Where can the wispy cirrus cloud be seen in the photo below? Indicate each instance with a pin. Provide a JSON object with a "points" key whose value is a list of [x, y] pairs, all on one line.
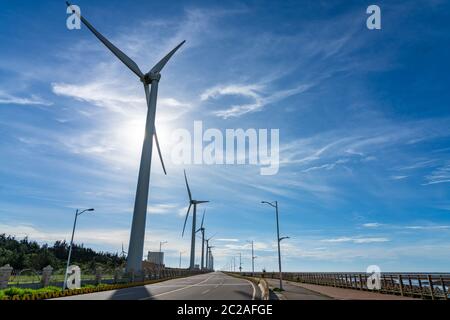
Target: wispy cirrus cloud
{"points": [[440, 175], [227, 240], [372, 225], [114, 97], [259, 93], [162, 208], [428, 227], [357, 240], [6, 98]]}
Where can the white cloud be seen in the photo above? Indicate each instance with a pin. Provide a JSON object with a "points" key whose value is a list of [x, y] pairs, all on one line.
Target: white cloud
{"points": [[372, 225], [227, 240], [355, 240], [259, 93], [6, 98], [427, 227], [162, 208], [398, 177], [440, 175]]}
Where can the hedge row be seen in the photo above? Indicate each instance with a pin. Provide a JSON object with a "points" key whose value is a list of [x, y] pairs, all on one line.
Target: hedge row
{"points": [[87, 290]]}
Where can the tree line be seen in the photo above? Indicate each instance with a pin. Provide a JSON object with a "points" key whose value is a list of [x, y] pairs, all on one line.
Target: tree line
{"points": [[26, 254]]}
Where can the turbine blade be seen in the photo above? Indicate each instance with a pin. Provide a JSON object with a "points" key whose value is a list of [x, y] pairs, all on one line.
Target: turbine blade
{"points": [[215, 234], [160, 65], [198, 202], [187, 186], [185, 220], [203, 219], [159, 152], [116, 51]]}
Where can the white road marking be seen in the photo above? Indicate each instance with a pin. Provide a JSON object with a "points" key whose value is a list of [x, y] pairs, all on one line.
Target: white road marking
{"points": [[168, 292], [206, 291], [254, 289]]}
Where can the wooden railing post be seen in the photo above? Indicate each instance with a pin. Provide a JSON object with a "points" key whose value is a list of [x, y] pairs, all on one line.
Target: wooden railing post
{"points": [[410, 285], [431, 286], [443, 288], [360, 282], [400, 282]]}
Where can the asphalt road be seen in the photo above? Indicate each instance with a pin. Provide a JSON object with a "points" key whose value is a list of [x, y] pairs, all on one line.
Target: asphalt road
{"points": [[210, 286]]}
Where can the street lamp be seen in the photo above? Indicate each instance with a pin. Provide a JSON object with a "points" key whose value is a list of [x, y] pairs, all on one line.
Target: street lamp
{"points": [[240, 262], [181, 252], [253, 257], [160, 244], [160, 256], [77, 213], [275, 205]]}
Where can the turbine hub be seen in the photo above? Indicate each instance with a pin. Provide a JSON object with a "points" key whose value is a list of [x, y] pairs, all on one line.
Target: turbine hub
{"points": [[150, 77]]}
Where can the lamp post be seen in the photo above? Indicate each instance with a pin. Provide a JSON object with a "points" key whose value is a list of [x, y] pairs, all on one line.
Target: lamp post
{"points": [[253, 257], [160, 256], [77, 213], [240, 262], [160, 245], [181, 252], [278, 238]]}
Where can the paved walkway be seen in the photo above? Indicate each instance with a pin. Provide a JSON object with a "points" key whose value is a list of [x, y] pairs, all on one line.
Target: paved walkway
{"points": [[294, 292]]}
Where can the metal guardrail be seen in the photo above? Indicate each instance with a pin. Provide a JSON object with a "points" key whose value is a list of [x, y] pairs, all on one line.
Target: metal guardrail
{"points": [[433, 286]]}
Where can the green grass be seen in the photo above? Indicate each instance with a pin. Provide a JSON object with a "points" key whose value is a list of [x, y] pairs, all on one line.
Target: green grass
{"points": [[27, 279], [14, 291]]}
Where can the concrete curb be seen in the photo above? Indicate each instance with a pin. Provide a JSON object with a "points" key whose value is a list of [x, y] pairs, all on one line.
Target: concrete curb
{"points": [[261, 285]]}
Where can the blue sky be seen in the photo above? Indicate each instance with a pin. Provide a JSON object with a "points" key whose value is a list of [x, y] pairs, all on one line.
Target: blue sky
{"points": [[363, 118]]}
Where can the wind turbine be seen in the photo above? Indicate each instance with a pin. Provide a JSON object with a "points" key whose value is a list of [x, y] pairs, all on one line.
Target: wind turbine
{"points": [[202, 230], [194, 217], [207, 250], [151, 78], [123, 253], [210, 258]]}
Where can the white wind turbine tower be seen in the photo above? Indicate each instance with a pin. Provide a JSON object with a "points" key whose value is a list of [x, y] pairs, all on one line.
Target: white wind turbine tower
{"points": [[136, 246], [194, 217], [202, 230], [208, 264]]}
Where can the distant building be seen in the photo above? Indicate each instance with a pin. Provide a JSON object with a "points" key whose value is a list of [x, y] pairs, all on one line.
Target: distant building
{"points": [[156, 257]]}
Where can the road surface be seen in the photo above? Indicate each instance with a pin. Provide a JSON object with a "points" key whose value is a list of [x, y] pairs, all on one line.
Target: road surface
{"points": [[210, 286]]}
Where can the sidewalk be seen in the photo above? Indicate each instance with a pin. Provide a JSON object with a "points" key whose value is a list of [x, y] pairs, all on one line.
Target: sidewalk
{"points": [[293, 292], [299, 291]]}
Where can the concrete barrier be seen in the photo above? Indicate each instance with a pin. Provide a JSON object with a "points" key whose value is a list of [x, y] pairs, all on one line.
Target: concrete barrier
{"points": [[264, 287]]}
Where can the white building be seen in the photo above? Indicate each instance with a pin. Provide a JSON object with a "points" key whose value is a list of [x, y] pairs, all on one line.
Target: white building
{"points": [[156, 257]]}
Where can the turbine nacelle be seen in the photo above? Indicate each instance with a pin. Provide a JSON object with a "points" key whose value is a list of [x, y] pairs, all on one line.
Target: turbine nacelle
{"points": [[198, 202], [150, 77]]}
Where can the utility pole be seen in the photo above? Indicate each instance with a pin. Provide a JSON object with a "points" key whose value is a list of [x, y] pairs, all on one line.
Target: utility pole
{"points": [[278, 240], [160, 257], [253, 257], [240, 262]]}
